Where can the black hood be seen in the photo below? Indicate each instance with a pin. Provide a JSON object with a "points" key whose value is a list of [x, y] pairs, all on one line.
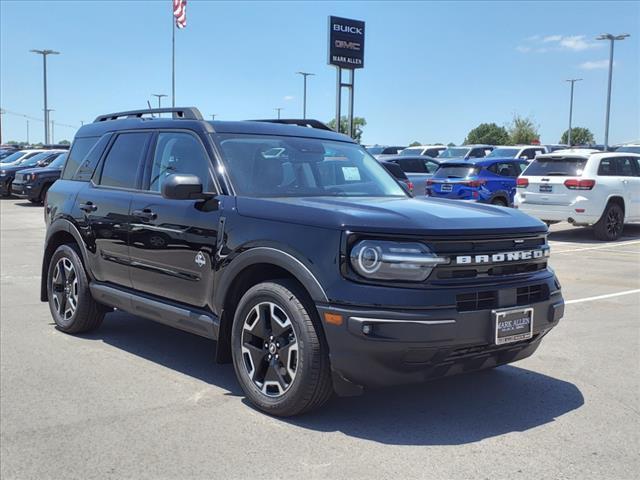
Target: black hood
{"points": [[411, 216]]}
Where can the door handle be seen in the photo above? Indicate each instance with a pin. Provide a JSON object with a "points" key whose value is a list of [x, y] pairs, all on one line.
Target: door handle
{"points": [[145, 214], [88, 207]]}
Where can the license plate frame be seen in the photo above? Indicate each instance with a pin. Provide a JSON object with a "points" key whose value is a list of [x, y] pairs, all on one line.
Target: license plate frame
{"points": [[505, 333]]}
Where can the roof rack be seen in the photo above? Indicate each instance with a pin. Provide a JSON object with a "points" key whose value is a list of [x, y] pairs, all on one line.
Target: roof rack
{"points": [[301, 122], [189, 113]]}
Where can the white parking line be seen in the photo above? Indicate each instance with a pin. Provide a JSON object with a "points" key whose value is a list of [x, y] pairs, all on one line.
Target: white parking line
{"points": [[601, 297], [598, 247]]}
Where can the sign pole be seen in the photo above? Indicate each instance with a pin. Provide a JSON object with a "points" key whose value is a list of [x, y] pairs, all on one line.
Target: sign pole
{"points": [[173, 61], [352, 76], [338, 97]]}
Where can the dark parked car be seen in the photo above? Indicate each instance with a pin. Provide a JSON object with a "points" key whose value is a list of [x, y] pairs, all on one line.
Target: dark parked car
{"points": [[419, 169], [313, 269], [33, 183], [9, 171], [395, 170]]}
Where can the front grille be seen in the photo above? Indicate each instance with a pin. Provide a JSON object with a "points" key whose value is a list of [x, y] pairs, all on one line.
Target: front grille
{"points": [[455, 247], [19, 177], [468, 302], [488, 300], [532, 294]]}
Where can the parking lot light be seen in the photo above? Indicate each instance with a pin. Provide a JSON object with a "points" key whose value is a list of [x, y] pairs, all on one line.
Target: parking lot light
{"points": [[44, 54], [612, 39]]}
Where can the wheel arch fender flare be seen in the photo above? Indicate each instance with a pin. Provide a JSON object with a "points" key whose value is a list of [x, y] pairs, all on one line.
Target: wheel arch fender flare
{"points": [[274, 256], [58, 226]]}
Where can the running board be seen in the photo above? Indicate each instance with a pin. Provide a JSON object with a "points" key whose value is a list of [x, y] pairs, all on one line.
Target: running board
{"points": [[193, 321]]}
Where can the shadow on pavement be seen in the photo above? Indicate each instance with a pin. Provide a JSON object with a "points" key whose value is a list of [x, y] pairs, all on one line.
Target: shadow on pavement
{"points": [[450, 411], [585, 235], [29, 204]]}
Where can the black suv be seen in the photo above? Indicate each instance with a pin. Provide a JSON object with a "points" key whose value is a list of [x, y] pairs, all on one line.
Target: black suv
{"points": [[295, 250]]}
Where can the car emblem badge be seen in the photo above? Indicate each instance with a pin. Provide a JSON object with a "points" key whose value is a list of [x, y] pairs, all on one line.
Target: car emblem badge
{"points": [[200, 259]]}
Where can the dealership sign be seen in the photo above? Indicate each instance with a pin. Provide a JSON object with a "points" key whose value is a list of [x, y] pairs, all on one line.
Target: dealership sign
{"points": [[346, 43]]}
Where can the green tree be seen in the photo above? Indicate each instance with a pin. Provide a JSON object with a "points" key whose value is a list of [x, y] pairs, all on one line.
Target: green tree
{"points": [[579, 136], [523, 130], [451, 144], [64, 142], [415, 144], [358, 124], [488, 133]]}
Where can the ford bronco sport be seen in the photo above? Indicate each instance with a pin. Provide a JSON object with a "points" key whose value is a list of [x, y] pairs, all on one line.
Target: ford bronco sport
{"points": [[295, 250]]}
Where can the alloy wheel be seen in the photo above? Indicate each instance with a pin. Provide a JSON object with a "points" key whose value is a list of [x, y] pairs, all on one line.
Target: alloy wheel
{"points": [[269, 349], [614, 223], [65, 288]]}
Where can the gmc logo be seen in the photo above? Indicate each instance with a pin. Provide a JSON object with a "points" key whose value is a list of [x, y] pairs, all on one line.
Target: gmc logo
{"points": [[348, 45], [347, 29], [502, 257]]}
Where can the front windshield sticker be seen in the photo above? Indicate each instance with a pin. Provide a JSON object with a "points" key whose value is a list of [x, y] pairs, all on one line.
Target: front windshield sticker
{"points": [[351, 174]]}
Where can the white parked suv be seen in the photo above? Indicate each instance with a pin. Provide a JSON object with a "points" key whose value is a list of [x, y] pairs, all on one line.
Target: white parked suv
{"points": [[583, 187], [427, 150]]}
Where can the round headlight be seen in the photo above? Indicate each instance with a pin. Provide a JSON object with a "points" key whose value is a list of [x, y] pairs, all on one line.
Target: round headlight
{"points": [[400, 261]]}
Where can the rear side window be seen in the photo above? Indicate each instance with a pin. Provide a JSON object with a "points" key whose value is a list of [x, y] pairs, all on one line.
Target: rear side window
{"points": [[561, 166], [88, 166], [505, 169], [123, 161], [79, 150], [411, 165], [455, 171]]}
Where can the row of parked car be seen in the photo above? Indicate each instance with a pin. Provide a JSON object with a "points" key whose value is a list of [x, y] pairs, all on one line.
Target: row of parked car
{"points": [[578, 185], [29, 173]]}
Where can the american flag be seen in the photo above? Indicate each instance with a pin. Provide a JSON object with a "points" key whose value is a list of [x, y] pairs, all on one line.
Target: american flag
{"points": [[180, 12]]}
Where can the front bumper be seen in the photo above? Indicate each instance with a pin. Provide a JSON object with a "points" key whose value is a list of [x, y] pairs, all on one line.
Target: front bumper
{"points": [[380, 347]]}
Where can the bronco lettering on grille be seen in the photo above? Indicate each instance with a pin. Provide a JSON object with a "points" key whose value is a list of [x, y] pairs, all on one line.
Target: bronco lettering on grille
{"points": [[502, 257]]}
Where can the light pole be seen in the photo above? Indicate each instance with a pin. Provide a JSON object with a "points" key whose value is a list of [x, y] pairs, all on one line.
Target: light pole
{"points": [[304, 95], [278, 110], [213, 116], [572, 80], [27, 132], [612, 39], [48, 116], [159, 96], [44, 54]]}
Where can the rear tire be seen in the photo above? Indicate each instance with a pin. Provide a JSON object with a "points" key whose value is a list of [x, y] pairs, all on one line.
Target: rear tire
{"points": [[611, 224], [72, 307], [499, 202], [279, 353]]}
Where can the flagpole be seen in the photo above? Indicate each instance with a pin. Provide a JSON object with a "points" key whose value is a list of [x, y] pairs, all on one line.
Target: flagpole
{"points": [[173, 60]]}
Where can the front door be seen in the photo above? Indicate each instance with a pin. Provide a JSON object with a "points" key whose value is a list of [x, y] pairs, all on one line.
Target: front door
{"points": [[173, 242]]}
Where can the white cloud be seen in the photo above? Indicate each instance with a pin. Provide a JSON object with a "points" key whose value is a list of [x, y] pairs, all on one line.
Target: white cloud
{"points": [[595, 64], [548, 43], [552, 38], [288, 98]]}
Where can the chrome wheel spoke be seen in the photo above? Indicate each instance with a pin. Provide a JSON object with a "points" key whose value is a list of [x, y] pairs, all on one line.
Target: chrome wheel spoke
{"points": [[269, 349]]}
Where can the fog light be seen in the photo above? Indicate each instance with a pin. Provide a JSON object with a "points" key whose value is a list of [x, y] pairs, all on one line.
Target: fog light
{"points": [[366, 329]]}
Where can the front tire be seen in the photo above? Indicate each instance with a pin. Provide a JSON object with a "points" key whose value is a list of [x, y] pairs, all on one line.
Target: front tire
{"points": [[611, 224], [279, 354], [72, 307]]}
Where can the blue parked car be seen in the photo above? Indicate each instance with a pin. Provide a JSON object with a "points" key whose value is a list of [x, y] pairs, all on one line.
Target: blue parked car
{"points": [[486, 180]]}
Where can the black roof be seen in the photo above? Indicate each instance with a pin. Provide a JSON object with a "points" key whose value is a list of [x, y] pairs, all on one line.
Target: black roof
{"points": [[140, 119]]}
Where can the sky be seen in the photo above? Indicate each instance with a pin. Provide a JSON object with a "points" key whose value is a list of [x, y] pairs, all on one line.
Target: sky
{"points": [[433, 70]]}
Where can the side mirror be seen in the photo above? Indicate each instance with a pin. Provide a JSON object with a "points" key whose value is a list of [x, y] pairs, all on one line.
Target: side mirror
{"points": [[180, 186]]}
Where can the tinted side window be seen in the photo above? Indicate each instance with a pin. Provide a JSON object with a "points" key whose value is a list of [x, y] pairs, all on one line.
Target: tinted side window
{"points": [[79, 150], [607, 167], [431, 166], [121, 165], [624, 167], [412, 165], [179, 153], [88, 166], [506, 169]]}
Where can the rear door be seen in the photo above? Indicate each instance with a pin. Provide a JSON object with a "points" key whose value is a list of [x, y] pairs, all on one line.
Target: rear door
{"points": [[546, 177], [502, 178], [173, 242], [629, 174], [102, 206]]}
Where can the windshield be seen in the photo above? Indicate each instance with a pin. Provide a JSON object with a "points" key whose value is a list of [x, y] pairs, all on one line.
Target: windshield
{"points": [[58, 162], [32, 161], [455, 171], [375, 150], [411, 151], [306, 167], [556, 167], [13, 157], [6, 153], [454, 152], [629, 149], [504, 152]]}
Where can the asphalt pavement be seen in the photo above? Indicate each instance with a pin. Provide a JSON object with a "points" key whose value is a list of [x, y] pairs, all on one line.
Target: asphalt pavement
{"points": [[138, 400]]}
